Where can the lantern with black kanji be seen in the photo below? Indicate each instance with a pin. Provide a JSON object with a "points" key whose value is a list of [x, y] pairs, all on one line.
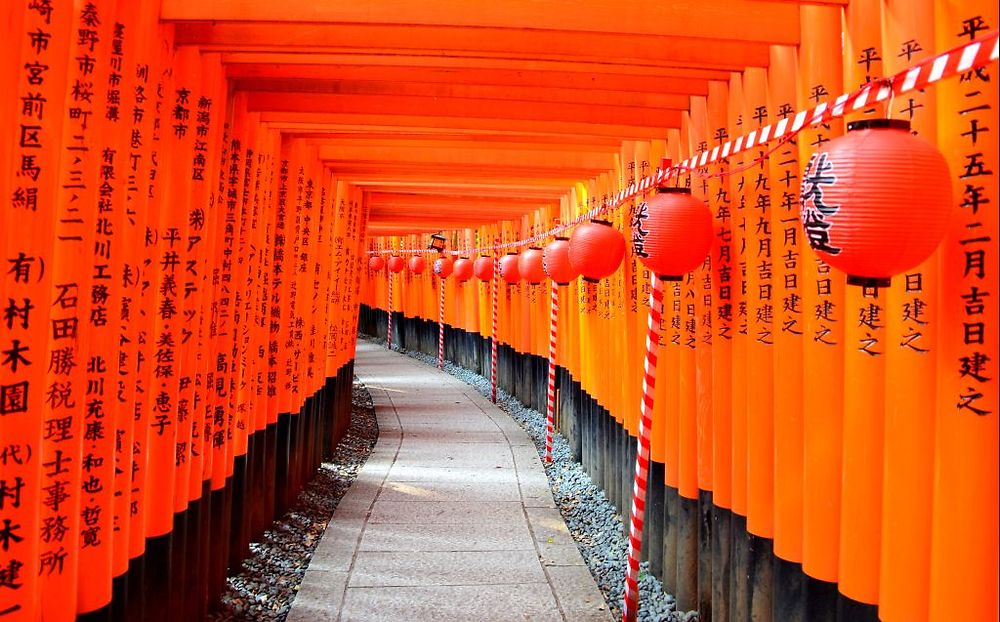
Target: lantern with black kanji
{"points": [[396, 264], [555, 260], [462, 269], [483, 268], [876, 201], [529, 265], [376, 263], [596, 249], [509, 271], [672, 233], [443, 266], [417, 264], [437, 243]]}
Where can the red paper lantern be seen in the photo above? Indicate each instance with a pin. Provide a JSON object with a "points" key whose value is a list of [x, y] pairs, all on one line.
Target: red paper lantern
{"points": [[508, 268], [672, 233], [596, 249], [376, 263], [876, 201], [396, 264], [556, 262], [463, 269], [417, 264], [484, 268], [443, 266], [529, 265]]}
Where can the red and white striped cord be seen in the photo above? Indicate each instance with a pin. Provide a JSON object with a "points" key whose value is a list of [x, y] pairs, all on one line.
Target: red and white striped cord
{"points": [[551, 397], [631, 605], [388, 330], [441, 328], [493, 340], [954, 62]]}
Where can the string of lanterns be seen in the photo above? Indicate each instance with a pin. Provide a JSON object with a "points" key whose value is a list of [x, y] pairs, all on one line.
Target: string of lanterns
{"points": [[858, 210]]}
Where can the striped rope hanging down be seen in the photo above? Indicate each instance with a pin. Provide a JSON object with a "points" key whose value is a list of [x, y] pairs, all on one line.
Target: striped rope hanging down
{"points": [[551, 397], [493, 340], [441, 328], [631, 605], [388, 330]]}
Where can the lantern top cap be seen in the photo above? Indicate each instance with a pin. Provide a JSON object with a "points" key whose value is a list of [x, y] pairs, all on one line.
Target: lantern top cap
{"points": [[561, 238], [671, 190], [879, 124], [606, 223]]}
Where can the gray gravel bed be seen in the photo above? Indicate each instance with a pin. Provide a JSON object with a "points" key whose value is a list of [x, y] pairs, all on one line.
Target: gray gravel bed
{"points": [[266, 585], [595, 523]]}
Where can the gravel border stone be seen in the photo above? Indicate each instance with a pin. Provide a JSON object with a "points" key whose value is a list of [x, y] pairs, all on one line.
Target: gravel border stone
{"points": [[267, 583], [594, 522]]}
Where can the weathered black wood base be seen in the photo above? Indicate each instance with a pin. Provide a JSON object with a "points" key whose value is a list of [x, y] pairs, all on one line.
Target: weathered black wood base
{"points": [[181, 574]]}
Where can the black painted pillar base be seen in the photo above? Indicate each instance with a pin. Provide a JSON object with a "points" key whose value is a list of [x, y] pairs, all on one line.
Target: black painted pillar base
{"points": [[669, 576], [687, 554], [705, 524], [721, 563], [119, 597], [739, 579], [761, 565], [652, 540], [156, 585], [135, 600]]}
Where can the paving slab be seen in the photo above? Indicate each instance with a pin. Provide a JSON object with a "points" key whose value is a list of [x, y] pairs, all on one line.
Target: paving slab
{"points": [[451, 518], [450, 491], [453, 603], [476, 512], [404, 537]]}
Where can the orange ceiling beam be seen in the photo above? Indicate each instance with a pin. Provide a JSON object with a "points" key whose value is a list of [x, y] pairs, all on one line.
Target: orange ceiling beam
{"points": [[443, 179], [469, 156], [466, 173], [432, 202], [484, 63], [377, 229], [537, 194], [403, 137], [495, 110], [674, 101], [305, 122], [716, 19], [719, 19], [696, 83], [452, 41]]}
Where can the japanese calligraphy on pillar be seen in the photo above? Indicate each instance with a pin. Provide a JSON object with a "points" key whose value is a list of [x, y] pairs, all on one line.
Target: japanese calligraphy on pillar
{"points": [[976, 181], [965, 471], [104, 297], [279, 288], [73, 506], [788, 322], [30, 184]]}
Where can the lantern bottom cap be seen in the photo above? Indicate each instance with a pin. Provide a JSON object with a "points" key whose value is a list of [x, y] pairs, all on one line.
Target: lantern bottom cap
{"points": [[868, 281]]}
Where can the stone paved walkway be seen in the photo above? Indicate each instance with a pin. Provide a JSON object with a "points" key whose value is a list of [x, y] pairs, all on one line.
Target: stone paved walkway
{"points": [[450, 519]]}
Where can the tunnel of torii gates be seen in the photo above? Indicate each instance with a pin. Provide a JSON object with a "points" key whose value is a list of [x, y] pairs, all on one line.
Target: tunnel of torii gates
{"points": [[198, 198]]}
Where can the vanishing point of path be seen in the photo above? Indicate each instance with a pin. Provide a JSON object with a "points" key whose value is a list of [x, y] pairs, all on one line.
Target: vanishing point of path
{"points": [[451, 518]]}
